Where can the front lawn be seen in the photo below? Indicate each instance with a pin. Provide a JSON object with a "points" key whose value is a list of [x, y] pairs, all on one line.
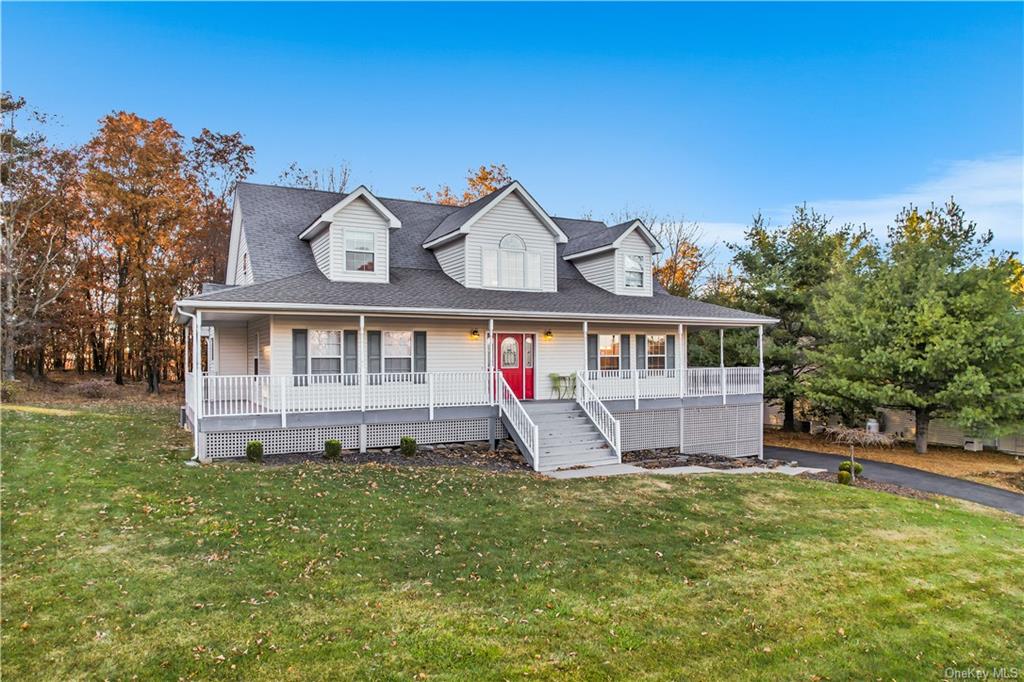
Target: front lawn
{"points": [[120, 561]]}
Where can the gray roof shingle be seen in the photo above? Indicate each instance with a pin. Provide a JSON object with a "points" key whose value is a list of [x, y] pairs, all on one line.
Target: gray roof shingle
{"points": [[284, 270]]}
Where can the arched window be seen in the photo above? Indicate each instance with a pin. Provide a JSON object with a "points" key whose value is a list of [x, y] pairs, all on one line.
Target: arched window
{"points": [[512, 242]]}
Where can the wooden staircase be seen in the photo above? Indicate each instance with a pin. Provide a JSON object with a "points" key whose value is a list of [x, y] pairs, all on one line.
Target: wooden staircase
{"points": [[567, 436]]}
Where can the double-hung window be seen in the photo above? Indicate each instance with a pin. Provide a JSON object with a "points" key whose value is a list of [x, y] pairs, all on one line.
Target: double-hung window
{"points": [[397, 352], [634, 271], [511, 265], [656, 351], [608, 351], [325, 352], [359, 254]]}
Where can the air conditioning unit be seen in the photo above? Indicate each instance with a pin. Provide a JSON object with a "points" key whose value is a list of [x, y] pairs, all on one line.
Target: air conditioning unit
{"points": [[973, 444]]}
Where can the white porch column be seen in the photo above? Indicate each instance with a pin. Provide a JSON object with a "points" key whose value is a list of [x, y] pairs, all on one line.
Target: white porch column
{"points": [[586, 332], [489, 364], [197, 365], [681, 359], [760, 381], [361, 357], [721, 358]]}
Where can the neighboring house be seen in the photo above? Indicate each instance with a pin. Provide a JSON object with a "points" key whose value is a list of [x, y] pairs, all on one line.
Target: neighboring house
{"points": [[365, 319]]}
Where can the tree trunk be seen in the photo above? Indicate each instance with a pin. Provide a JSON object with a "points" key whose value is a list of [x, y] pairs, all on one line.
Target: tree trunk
{"points": [[789, 415], [8, 357], [921, 420]]}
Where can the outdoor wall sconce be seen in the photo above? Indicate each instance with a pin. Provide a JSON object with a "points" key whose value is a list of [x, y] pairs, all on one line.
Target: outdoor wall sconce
{"points": [[548, 335], [475, 334]]}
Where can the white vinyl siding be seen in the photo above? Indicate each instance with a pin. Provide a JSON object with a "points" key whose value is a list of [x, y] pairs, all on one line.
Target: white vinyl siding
{"points": [[510, 216], [452, 258], [230, 341], [321, 245], [243, 268], [599, 270], [633, 245], [259, 345]]}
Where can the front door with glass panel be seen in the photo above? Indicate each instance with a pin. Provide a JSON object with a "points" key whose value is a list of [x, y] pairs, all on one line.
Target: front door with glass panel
{"points": [[515, 361]]}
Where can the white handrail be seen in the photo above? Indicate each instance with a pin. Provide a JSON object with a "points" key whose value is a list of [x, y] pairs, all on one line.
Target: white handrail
{"points": [[604, 421], [525, 428]]}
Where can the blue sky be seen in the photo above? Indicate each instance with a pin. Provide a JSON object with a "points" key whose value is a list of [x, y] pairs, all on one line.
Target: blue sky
{"points": [[707, 112]]}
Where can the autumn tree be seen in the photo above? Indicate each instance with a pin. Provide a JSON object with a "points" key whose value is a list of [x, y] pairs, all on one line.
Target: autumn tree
{"points": [[479, 183], [41, 199], [780, 272], [928, 322]]}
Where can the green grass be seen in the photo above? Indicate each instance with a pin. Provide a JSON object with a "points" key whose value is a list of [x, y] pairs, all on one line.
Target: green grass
{"points": [[120, 561]]}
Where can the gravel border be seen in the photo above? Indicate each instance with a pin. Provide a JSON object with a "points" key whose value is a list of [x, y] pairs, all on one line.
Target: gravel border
{"points": [[892, 488], [475, 454], [664, 458]]}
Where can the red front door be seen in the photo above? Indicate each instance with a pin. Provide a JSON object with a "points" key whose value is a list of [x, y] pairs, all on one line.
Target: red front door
{"points": [[515, 360]]}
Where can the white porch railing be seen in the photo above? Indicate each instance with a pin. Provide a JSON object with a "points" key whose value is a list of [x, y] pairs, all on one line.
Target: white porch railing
{"points": [[525, 428], [644, 384], [604, 421], [284, 394]]}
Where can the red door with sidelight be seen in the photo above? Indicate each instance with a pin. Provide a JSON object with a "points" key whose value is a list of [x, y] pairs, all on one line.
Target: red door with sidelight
{"points": [[515, 360]]}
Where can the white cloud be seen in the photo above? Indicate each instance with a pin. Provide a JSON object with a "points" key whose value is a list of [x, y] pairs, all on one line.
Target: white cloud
{"points": [[991, 192]]}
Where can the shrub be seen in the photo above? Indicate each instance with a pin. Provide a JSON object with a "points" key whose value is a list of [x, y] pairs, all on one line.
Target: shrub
{"points": [[847, 465], [844, 477], [93, 388], [408, 446], [9, 391], [332, 449], [254, 451]]}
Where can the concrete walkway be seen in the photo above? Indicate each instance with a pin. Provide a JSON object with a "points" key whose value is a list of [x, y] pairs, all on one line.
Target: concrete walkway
{"points": [[910, 478], [625, 469]]}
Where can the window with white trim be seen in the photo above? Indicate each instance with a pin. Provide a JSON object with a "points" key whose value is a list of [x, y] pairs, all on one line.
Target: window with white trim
{"points": [[511, 265], [359, 252], [608, 351], [634, 271], [656, 350], [397, 351], [325, 356]]}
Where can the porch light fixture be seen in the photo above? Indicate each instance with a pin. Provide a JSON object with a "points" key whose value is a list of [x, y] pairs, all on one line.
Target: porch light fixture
{"points": [[475, 334], [548, 335]]}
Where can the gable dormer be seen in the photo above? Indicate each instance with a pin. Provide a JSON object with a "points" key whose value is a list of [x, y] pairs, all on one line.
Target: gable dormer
{"points": [[504, 240], [619, 259], [351, 240]]}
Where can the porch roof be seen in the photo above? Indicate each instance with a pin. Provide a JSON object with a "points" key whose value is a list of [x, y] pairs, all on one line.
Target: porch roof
{"points": [[414, 290]]}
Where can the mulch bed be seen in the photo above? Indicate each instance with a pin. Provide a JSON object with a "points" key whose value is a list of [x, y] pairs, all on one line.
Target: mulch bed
{"points": [[475, 454], [830, 477], [664, 458]]}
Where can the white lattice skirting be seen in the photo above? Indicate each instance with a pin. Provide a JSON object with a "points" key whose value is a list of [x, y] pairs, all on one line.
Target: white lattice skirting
{"points": [[311, 439], [729, 430]]}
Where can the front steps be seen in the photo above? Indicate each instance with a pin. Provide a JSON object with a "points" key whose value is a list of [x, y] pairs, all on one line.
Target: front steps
{"points": [[567, 436]]}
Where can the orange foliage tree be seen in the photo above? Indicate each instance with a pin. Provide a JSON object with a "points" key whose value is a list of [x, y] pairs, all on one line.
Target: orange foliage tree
{"points": [[479, 183]]}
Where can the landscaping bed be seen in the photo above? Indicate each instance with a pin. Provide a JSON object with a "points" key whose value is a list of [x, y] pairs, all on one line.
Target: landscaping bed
{"points": [[476, 454], [665, 458], [861, 482]]}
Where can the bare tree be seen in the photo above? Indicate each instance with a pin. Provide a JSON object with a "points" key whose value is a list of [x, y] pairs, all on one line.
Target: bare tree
{"points": [[41, 193], [327, 179]]}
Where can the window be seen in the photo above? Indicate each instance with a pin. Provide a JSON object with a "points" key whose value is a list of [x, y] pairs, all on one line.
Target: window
{"points": [[325, 352], [656, 346], [511, 266], [397, 352], [635, 271], [608, 351], [359, 250], [509, 353]]}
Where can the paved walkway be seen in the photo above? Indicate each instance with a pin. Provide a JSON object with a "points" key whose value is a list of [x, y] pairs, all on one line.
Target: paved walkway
{"points": [[625, 469], [910, 478]]}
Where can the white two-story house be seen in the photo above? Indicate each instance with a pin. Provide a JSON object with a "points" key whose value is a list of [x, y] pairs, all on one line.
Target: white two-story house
{"points": [[365, 319]]}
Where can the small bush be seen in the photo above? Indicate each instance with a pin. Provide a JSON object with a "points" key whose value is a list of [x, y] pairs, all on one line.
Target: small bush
{"points": [[408, 446], [847, 465], [9, 391], [332, 449], [93, 388], [254, 451], [844, 477]]}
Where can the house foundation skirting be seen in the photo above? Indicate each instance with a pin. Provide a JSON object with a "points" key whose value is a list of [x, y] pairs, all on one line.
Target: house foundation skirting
{"points": [[226, 444], [728, 430]]}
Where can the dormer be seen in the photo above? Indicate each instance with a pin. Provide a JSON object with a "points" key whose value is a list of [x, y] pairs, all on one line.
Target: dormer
{"points": [[619, 259], [351, 240], [504, 240]]}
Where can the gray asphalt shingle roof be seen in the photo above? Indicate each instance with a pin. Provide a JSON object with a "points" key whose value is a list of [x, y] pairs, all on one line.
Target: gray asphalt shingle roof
{"points": [[596, 239], [284, 270]]}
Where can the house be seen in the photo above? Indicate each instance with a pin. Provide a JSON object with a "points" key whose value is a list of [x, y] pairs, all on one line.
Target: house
{"points": [[365, 319]]}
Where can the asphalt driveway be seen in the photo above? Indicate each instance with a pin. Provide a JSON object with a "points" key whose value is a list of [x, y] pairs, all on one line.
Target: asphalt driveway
{"points": [[910, 478]]}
